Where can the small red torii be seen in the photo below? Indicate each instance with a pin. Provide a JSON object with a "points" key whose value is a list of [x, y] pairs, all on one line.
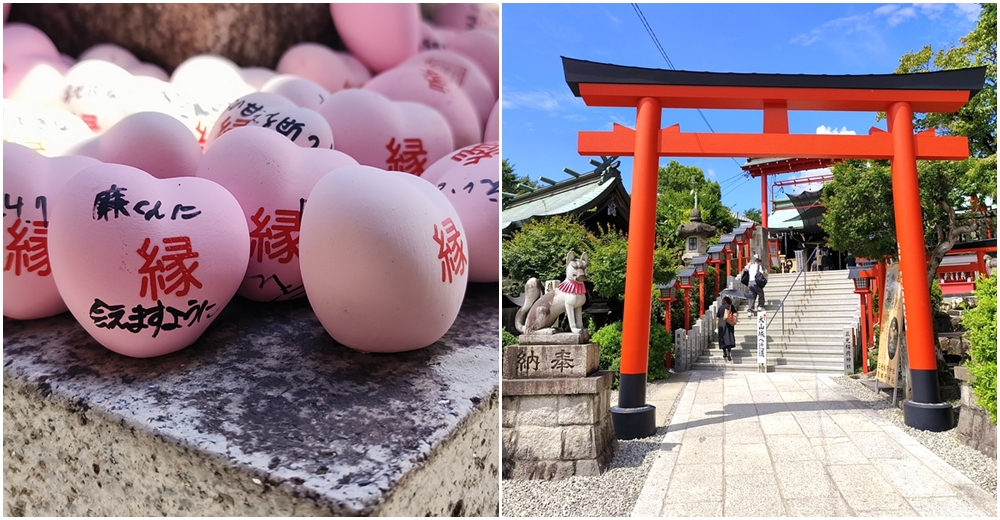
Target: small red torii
{"points": [[651, 90]]}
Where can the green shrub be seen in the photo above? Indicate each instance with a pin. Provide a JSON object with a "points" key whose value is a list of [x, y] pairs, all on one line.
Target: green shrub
{"points": [[609, 338], [981, 326], [507, 338]]}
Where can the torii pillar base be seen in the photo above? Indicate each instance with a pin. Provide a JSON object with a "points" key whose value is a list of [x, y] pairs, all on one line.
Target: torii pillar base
{"points": [[932, 417]]}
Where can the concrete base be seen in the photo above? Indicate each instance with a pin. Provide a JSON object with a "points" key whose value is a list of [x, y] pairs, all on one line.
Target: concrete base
{"points": [[557, 428], [975, 426], [264, 416]]}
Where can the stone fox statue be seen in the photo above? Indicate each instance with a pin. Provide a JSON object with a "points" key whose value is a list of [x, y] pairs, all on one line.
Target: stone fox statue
{"points": [[539, 314]]}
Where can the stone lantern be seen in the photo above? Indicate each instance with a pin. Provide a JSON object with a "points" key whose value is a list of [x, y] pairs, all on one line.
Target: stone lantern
{"points": [[694, 234]]}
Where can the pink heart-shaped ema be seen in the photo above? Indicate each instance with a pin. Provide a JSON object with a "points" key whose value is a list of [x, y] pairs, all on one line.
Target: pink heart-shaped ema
{"points": [[357, 73], [470, 179], [21, 39], [145, 265], [49, 131], [465, 17], [427, 85], [431, 37], [380, 35], [99, 92], [271, 178], [123, 58], [153, 142], [466, 74], [302, 126], [384, 259], [317, 63], [386, 134], [30, 181], [492, 130], [301, 91], [483, 47], [257, 77]]}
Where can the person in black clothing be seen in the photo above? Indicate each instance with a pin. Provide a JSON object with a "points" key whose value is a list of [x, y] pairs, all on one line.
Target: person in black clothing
{"points": [[727, 335]]}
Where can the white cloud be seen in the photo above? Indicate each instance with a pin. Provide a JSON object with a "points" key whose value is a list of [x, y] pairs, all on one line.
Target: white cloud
{"points": [[711, 173], [932, 11], [823, 129], [901, 15], [970, 11], [538, 99], [886, 10]]}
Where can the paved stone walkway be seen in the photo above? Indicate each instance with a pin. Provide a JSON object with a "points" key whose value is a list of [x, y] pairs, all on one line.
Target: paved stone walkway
{"points": [[748, 444]]}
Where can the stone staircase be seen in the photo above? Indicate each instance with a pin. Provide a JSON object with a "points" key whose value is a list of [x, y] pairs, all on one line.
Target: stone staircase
{"points": [[811, 336]]}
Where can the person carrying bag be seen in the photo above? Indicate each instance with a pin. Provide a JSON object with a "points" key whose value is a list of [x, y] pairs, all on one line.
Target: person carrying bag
{"points": [[757, 278]]}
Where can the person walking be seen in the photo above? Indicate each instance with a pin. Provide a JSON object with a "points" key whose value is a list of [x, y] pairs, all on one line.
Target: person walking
{"points": [[756, 289], [727, 333]]}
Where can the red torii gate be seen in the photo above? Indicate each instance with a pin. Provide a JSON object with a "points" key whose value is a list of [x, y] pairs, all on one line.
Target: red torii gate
{"points": [[651, 90]]}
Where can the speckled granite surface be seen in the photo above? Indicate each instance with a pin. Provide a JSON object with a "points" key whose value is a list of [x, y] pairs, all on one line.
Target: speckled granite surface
{"points": [[264, 415]]}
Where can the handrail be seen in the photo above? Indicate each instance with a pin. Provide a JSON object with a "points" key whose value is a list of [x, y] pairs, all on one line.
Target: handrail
{"points": [[781, 305]]}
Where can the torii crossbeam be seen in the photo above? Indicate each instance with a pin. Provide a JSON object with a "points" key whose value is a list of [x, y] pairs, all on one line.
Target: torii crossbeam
{"points": [[651, 90]]}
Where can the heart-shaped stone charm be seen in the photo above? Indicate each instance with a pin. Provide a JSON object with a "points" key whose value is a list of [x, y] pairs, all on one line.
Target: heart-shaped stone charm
{"points": [[123, 58], [155, 143], [298, 90], [380, 35], [49, 131], [483, 47], [145, 265], [302, 126], [271, 178], [422, 84], [384, 259], [391, 135], [317, 63], [492, 130], [464, 17], [470, 179], [100, 92], [33, 69], [30, 182], [466, 74]]}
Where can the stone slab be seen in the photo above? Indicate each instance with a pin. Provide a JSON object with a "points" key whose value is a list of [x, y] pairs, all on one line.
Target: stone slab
{"points": [[264, 415], [558, 338], [592, 384], [550, 361]]}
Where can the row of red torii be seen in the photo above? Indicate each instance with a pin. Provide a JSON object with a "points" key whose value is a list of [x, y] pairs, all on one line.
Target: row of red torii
{"points": [[652, 90]]}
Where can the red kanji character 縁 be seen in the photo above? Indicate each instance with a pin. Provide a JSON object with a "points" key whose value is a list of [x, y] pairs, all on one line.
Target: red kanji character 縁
{"points": [[476, 153], [451, 250], [260, 236], [170, 272], [408, 156], [283, 245], [30, 252], [434, 80]]}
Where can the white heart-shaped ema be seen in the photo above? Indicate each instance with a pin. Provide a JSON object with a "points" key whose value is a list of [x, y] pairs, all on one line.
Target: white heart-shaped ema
{"points": [[302, 126], [48, 131], [146, 265], [271, 178], [30, 183]]}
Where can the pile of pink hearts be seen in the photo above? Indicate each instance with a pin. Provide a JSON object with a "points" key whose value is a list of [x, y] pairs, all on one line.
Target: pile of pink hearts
{"points": [[367, 181]]}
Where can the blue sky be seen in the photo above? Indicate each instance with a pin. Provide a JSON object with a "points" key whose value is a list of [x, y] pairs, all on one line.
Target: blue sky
{"points": [[541, 118]]}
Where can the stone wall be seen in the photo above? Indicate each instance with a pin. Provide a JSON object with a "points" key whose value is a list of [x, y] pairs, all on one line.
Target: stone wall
{"points": [[975, 427]]}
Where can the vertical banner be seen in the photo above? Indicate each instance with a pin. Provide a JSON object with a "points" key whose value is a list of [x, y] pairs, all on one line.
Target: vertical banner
{"points": [[762, 340], [891, 332]]}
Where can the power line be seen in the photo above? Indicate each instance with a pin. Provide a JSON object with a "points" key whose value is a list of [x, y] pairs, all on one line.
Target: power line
{"points": [[656, 42]]}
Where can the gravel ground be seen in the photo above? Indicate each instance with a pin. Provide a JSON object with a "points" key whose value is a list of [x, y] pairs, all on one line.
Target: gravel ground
{"points": [[615, 492]]}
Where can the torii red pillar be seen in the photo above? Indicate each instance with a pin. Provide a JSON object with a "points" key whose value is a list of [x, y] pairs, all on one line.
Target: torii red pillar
{"points": [[899, 95]]}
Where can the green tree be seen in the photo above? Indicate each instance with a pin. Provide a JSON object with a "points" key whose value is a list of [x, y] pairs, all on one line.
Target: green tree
{"points": [[676, 185], [753, 214], [978, 119], [539, 249], [607, 265], [513, 184], [859, 213], [981, 323]]}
